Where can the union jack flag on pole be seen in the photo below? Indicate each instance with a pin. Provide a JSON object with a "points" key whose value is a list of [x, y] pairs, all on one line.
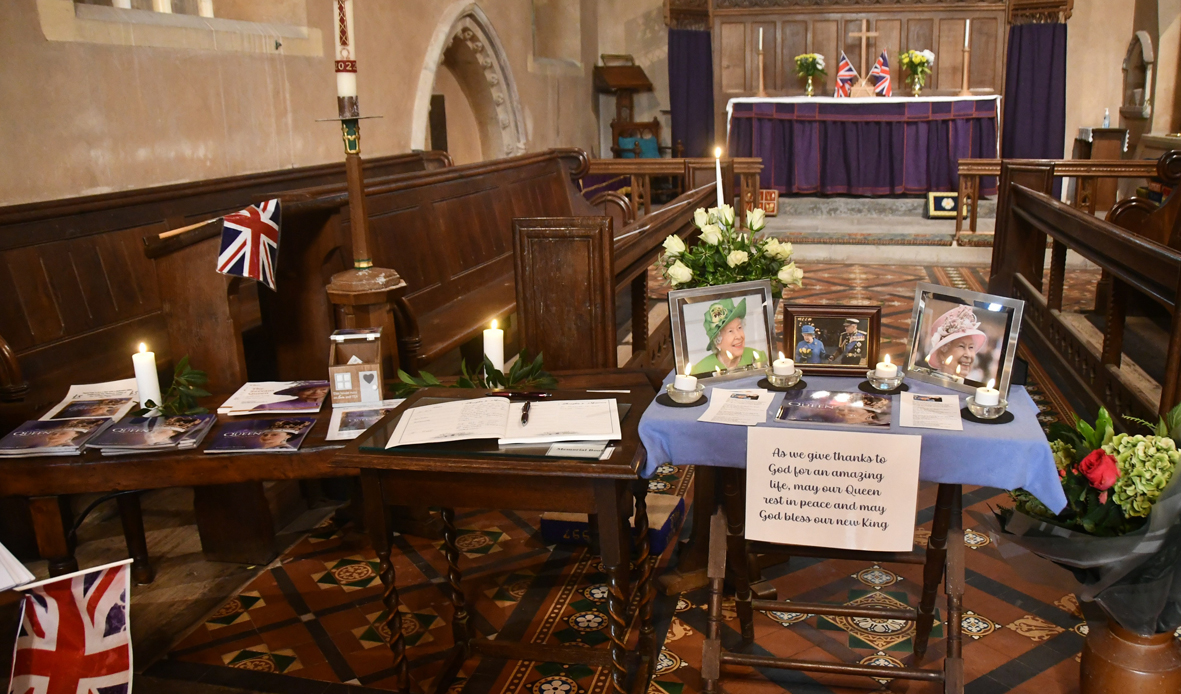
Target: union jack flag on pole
{"points": [[250, 243], [846, 76], [75, 636], [881, 75]]}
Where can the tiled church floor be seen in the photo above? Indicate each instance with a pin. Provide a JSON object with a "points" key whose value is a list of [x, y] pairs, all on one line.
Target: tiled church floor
{"points": [[306, 623]]}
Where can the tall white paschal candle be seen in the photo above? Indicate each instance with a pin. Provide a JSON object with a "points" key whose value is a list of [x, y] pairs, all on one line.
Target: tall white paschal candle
{"points": [[967, 31], [760, 38], [346, 48], [146, 377], [494, 346], [718, 166]]}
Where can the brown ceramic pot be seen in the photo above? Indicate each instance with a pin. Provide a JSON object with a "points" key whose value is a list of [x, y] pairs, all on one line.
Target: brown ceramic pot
{"points": [[1117, 661]]}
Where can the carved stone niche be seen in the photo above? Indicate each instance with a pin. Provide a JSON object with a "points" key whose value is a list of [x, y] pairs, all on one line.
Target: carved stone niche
{"points": [[1138, 64]]}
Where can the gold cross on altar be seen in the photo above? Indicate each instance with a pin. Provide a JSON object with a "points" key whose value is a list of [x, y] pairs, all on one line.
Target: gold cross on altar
{"points": [[864, 34]]}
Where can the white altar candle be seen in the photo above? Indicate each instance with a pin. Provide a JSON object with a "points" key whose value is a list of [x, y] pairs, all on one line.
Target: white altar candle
{"points": [[885, 369], [987, 395], [685, 381], [967, 31], [346, 48], [494, 346], [718, 166], [146, 377], [760, 38], [783, 366]]}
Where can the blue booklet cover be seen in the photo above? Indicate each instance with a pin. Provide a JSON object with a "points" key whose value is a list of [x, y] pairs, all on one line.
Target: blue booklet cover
{"points": [[152, 432], [61, 436], [270, 435]]}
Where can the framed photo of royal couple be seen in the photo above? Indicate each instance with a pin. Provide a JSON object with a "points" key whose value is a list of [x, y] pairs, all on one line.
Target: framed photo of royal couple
{"points": [[962, 339], [723, 332], [832, 340]]}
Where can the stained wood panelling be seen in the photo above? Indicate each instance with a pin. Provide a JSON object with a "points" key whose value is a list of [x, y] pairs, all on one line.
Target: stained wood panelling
{"points": [[986, 43], [825, 37], [771, 73], [733, 53], [951, 49], [889, 38], [795, 42]]}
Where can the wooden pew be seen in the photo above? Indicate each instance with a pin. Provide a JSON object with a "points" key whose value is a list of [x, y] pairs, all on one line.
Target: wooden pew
{"points": [[449, 235], [1027, 215]]}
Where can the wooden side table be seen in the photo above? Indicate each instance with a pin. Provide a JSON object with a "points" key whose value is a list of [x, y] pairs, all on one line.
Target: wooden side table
{"points": [[465, 476]]}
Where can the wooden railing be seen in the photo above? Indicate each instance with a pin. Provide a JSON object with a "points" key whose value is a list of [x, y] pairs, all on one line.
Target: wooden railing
{"points": [[1086, 171], [1026, 216], [691, 172]]}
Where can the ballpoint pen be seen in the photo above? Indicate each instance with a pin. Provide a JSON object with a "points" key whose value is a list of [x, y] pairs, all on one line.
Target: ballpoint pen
{"points": [[525, 412]]}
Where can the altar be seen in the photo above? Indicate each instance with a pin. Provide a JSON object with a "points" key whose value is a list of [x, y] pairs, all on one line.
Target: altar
{"points": [[863, 146]]}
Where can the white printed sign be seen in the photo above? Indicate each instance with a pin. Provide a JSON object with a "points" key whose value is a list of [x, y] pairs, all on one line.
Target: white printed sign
{"points": [[849, 490]]}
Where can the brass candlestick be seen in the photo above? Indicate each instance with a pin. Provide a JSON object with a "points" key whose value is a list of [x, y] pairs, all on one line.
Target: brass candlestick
{"points": [[762, 91], [964, 90]]}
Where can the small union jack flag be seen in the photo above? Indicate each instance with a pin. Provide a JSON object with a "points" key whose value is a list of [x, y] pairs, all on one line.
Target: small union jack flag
{"points": [[74, 634], [250, 243], [846, 76], [881, 74]]}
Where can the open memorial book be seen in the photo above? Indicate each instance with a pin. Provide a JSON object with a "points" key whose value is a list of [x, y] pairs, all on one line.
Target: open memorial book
{"points": [[12, 572], [500, 419]]}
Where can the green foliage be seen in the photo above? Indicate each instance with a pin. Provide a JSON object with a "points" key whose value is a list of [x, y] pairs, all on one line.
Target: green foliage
{"points": [[725, 254], [181, 397], [524, 374], [810, 65], [918, 64]]}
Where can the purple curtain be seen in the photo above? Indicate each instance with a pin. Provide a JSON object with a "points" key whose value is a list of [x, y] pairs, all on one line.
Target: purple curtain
{"points": [[691, 91], [1035, 93]]}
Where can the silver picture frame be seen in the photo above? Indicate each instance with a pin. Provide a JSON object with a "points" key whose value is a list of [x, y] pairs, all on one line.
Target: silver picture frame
{"points": [[680, 299], [932, 302]]}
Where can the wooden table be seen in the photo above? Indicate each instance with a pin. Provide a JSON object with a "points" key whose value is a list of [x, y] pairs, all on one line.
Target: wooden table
{"points": [[606, 488]]}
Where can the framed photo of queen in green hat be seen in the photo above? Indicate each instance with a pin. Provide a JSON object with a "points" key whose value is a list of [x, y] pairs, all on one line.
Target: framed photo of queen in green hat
{"points": [[724, 331]]}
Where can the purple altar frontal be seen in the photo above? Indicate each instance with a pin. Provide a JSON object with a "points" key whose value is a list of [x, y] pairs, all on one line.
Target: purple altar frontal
{"points": [[1015, 455], [864, 146]]}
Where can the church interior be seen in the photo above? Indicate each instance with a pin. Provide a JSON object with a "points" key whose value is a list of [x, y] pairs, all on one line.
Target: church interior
{"points": [[590, 346]]}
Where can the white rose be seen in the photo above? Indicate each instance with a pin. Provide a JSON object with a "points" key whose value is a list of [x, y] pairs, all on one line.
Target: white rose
{"points": [[673, 245], [700, 217], [790, 274], [929, 56], [737, 258], [726, 215], [756, 220], [819, 61], [679, 273], [711, 234], [779, 251]]}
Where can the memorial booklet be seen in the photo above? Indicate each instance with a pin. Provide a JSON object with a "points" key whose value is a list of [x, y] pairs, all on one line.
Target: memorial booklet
{"points": [[110, 400], [498, 418], [350, 421], [738, 407], [148, 434], [288, 397], [829, 407], [52, 437], [269, 435], [930, 411]]}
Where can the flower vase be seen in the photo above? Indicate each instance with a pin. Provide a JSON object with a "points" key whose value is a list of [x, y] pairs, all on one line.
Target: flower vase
{"points": [[1117, 660], [809, 85], [916, 86]]}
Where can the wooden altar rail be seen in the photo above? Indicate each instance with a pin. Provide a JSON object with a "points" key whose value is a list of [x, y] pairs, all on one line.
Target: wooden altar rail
{"points": [[1026, 216], [1087, 171], [693, 173]]}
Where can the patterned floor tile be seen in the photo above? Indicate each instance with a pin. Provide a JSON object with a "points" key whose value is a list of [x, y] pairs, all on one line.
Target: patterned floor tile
{"points": [[1035, 628], [260, 658], [236, 611], [353, 573]]}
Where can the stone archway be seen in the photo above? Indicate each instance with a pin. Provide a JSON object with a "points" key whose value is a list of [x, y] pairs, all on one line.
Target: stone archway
{"points": [[465, 42]]}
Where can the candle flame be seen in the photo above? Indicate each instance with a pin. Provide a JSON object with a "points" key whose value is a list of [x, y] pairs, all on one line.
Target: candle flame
{"points": [[781, 356], [688, 369], [991, 383], [886, 359], [494, 324], [717, 152], [143, 347]]}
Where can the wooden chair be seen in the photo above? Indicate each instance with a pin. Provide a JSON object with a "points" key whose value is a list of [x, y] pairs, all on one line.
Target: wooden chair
{"points": [[728, 544]]}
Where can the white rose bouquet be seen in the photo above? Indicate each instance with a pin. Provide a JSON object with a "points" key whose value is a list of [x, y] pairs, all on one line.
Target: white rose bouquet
{"points": [[726, 254]]}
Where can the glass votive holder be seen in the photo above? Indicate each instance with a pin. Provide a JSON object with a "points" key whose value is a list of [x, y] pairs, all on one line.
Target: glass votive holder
{"points": [[685, 397], [884, 384], [783, 381], [986, 411]]}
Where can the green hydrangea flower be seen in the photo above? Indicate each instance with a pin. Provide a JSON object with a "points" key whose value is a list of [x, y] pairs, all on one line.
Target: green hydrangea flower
{"points": [[1063, 453], [1146, 464]]}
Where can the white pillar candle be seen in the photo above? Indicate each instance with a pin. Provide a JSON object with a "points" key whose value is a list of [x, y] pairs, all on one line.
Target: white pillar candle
{"points": [[205, 8], [494, 346], [147, 380], [987, 395], [760, 38], [718, 166], [783, 366], [346, 48], [685, 381], [967, 31], [885, 369]]}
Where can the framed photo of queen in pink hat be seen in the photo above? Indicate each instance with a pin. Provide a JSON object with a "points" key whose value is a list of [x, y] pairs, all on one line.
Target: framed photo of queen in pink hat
{"points": [[962, 339]]}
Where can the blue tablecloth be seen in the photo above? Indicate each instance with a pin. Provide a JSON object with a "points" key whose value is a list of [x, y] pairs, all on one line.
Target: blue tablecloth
{"points": [[1006, 456]]}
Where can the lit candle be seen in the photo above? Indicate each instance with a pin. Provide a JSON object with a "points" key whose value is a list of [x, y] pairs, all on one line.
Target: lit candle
{"points": [[718, 166], [147, 380], [783, 366], [494, 346], [346, 49], [760, 38], [987, 395], [685, 381], [967, 31], [885, 369]]}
